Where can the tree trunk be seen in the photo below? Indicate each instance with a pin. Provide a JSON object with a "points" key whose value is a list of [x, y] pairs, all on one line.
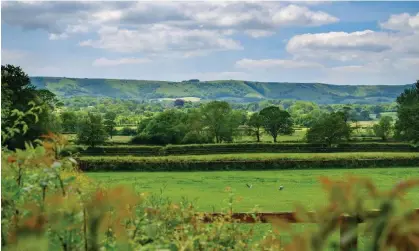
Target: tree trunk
{"points": [[258, 136], [275, 138]]}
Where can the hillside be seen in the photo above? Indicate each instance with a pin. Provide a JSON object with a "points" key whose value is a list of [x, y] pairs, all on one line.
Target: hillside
{"points": [[231, 90]]}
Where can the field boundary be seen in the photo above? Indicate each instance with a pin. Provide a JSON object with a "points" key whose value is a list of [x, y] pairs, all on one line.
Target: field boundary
{"points": [[169, 150], [95, 165]]}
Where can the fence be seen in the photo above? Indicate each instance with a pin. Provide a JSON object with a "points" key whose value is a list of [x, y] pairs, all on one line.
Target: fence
{"points": [[348, 224]]}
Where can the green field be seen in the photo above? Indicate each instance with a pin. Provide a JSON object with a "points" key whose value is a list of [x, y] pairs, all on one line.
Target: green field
{"points": [[207, 189]]}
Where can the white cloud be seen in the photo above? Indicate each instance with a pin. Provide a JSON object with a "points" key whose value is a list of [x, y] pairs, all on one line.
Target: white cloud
{"points": [[358, 46], [360, 57], [189, 28], [160, 38], [300, 15], [367, 40], [274, 63], [259, 33], [61, 36], [121, 61], [402, 22]]}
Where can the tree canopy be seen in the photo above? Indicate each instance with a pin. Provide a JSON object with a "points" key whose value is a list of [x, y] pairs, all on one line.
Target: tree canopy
{"points": [[276, 121], [17, 92], [329, 129], [407, 125], [384, 128], [92, 131]]}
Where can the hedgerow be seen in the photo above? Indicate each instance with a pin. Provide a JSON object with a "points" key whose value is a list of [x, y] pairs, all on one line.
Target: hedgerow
{"points": [[246, 148], [248, 162]]}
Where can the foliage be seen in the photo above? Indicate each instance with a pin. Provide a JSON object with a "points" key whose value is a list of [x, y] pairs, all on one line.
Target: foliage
{"points": [[168, 127], [394, 227], [18, 94], [247, 161], [276, 121], [179, 103], [329, 129], [69, 122], [207, 149], [110, 123], [256, 125], [304, 113], [127, 131], [92, 131], [407, 125], [220, 120], [384, 128]]}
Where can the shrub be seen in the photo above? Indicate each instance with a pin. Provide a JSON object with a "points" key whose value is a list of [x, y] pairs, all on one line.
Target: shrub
{"points": [[192, 163], [195, 138], [146, 139], [127, 131]]}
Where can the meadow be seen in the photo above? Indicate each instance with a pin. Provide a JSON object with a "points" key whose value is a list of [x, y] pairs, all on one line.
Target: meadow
{"points": [[208, 189]]}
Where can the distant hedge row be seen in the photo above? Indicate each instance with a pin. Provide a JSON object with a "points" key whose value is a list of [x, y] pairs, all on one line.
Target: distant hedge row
{"points": [[93, 164], [135, 150]]}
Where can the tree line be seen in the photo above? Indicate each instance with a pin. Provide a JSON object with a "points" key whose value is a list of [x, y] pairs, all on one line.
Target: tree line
{"points": [[188, 123]]}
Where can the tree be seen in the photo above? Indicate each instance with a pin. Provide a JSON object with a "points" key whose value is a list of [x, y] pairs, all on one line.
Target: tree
{"points": [[179, 102], [168, 127], [217, 117], [407, 125], [330, 128], [256, 125], [346, 113], [384, 128], [92, 131], [364, 115], [110, 123], [16, 94], [276, 121], [69, 122]]}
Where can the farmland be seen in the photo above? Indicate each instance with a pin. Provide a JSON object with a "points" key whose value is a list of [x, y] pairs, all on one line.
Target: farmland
{"points": [[207, 189]]}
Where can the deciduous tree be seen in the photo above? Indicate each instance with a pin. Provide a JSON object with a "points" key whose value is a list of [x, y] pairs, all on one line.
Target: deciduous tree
{"points": [[92, 131], [256, 125], [330, 128], [384, 128], [276, 121], [407, 125], [217, 117], [110, 123]]}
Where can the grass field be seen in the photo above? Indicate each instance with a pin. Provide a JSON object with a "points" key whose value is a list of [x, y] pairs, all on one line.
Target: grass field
{"points": [[207, 189], [118, 138]]}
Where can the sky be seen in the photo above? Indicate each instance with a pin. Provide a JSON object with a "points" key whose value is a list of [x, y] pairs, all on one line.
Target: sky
{"points": [[351, 43]]}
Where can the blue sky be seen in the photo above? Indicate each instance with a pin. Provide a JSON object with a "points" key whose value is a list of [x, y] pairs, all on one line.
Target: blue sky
{"points": [[328, 42]]}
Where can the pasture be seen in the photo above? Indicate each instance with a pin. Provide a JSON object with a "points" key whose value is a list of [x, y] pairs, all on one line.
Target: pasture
{"points": [[208, 189]]}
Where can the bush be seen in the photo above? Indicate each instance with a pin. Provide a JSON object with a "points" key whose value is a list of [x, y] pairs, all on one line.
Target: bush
{"points": [[125, 150], [205, 149], [191, 163], [195, 138], [127, 131], [146, 139]]}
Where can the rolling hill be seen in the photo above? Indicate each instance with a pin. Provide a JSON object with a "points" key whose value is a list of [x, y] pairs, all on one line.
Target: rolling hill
{"points": [[230, 90]]}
